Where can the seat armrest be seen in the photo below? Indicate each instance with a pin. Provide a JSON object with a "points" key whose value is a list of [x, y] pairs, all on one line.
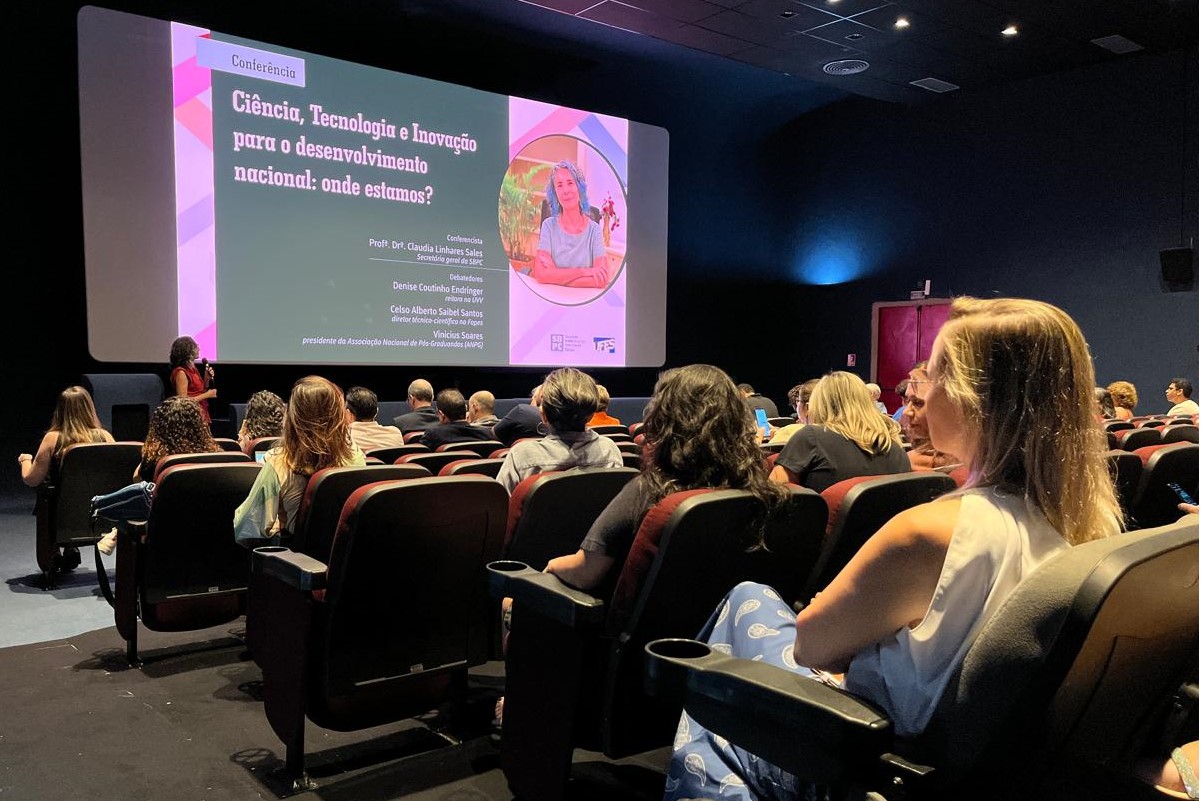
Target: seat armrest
{"points": [[294, 569], [131, 530], [545, 594], [811, 729]]}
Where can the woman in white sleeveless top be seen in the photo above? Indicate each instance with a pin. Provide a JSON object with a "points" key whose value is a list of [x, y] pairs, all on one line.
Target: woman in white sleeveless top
{"points": [[1010, 392]]}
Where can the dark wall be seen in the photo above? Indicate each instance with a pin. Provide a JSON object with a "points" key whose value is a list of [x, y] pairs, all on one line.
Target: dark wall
{"points": [[1062, 188]]}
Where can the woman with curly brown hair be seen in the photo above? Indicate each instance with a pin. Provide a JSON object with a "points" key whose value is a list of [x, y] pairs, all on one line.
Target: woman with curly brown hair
{"points": [[697, 434], [176, 426], [1124, 398], [315, 435]]}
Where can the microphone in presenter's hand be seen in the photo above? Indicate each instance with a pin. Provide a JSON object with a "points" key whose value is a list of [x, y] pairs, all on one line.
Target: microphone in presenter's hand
{"points": [[206, 373]]}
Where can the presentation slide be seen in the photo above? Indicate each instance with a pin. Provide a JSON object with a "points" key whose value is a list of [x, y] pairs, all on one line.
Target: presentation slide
{"points": [[285, 207]]}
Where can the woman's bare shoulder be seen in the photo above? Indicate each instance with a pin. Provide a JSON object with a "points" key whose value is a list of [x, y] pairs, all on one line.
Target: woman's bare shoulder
{"points": [[930, 523]]}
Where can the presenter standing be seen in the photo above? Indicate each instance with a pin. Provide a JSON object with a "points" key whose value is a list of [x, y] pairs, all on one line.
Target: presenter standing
{"points": [[571, 248], [187, 381]]}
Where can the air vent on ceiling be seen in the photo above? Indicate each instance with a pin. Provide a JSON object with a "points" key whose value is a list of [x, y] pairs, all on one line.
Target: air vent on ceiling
{"points": [[1117, 44], [848, 66], [935, 85]]}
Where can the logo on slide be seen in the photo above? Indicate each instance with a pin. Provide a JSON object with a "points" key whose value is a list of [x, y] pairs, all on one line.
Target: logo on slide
{"points": [[557, 343], [604, 344]]}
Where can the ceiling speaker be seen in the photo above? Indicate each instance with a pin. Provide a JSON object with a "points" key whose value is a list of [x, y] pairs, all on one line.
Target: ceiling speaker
{"points": [[1178, 269]]}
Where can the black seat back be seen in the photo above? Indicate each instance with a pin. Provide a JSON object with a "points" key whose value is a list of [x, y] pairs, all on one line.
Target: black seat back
{"points": [[691, 549], [1155, 503], [405, 603], [190, 549], [86, 470], [213, 457], [325, 495], [866, 507], [551, 513]]}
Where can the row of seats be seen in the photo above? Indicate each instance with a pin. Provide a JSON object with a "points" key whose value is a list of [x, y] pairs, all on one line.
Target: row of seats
{"points": [[331, 620]]}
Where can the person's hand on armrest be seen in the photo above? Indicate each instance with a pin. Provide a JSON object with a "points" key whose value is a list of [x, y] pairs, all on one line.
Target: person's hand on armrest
{"points": [[583, 570]]}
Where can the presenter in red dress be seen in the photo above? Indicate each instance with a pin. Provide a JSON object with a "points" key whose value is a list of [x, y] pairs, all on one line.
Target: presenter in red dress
{"points": [[188, 381]]}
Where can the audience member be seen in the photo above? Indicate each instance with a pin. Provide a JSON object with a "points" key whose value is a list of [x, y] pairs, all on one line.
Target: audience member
{"points": [[1124, 398], [601, 418], [567, 400], [366, 432], [901, 391], [799, 397], [756, 400], [453, 425], [314, 436], [1179, 392], [422, 414], [847, 437], [73, 422], [186, 378], [1104, 407], [521, 422], [264, 418], [1010, 395], [923, 455], [696, 434], [176, 426], [876, 396], [480, 409]]}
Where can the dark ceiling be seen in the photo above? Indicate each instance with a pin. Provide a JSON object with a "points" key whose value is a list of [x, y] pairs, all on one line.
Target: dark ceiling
{"points": [[959, 42]]}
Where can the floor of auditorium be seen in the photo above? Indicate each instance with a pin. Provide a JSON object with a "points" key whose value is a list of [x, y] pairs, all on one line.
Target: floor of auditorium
{"points": [[77, 722]]}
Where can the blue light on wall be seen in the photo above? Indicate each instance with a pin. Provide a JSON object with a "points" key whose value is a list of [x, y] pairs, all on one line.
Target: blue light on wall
{"points": [[832, 258]]}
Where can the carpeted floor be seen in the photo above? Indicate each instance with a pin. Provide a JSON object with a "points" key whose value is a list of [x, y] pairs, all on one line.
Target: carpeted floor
{"points": [[77, 722]]}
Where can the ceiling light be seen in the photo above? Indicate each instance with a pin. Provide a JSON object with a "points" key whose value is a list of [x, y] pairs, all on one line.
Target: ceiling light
{"points": [[787, 14], [1011, 30], [902, 22]]}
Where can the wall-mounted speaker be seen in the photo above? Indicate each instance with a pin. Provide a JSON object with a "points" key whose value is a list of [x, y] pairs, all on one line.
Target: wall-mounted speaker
{"points": [[1178, 269]]}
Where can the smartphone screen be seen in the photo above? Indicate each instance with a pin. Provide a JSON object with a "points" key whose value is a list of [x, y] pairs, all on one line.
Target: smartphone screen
{"points": [[763, 421], [1182, 493]]}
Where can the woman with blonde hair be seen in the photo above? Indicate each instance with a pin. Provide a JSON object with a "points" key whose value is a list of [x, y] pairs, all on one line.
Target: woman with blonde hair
{"points": [[1124, 398], [846, 437], [315, 435], [1010, 394]]}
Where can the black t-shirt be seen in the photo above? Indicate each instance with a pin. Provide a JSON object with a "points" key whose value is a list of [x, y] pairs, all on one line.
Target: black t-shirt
{"points": [[614, 531], [821, 458]]}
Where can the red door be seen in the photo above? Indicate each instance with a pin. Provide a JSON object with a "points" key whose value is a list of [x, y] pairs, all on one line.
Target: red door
{"points": [[903, 335]]}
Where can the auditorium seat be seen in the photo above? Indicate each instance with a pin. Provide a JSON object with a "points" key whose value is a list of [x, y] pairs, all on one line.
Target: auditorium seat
{"points": [[480, 467], [413, 436], [391, 455], [228, 444], [181, 569], [772, 447], [1181, 432], [1134, 438], [63, 508], [635, 429], [550, 513], [858, 507], [209, 457], [1155, 503], [434, 461], [1118, 425], [1125, 468], [318, 515], [500, 453], [389, 625], [260, 445], [482, 447], [778, 422], [1073, 676], [632, 460], [574, 661], [629, 447], [619, 436], [611, 429]]}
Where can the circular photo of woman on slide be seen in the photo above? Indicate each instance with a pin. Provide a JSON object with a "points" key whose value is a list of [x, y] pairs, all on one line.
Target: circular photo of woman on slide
{"points": [[561, 213]]}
